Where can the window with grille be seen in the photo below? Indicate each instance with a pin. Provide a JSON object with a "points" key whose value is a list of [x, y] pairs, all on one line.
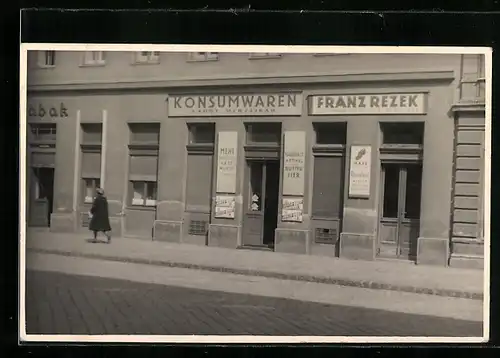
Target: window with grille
{"points": [[143, 193], [91, 133], [203, 56], [403, 133], [269, 133], [93, 58], [201, 133], [197, 227], [330, 133], [257, 55], [47, 58], [89, 187], [147, 57], [144, 133], [43, 132]]}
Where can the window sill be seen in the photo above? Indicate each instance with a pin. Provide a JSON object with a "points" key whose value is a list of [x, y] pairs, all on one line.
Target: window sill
{"points": [[141, 207], [191, 60], [45, 67], [329, 54], [145, 63], [96, 64], [270, 57]]}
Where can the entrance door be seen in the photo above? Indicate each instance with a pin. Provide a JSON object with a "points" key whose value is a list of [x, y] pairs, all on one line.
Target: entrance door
{"points": [[43, 196], [400, 210], [261, 216]]}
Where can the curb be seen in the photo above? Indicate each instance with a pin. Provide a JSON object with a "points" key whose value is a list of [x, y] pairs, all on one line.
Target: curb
{"points": [[267, 274]]}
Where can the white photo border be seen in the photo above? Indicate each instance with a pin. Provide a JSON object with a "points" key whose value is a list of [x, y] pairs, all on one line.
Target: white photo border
{"points": [[29, 338]]}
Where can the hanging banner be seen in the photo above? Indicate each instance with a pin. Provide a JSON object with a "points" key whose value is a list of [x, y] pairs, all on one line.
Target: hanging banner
{"points": [[294, 162], [360, 171], [227, 155], [225, 206], [386, 103]]}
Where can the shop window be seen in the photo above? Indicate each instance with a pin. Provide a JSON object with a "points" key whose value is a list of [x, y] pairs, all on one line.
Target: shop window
{"points": [[91, 133], [143, 193], [93, 58], [203, 56], [328, 186], [259, 55], [89, 187], [391, 191], [269, 133], [43, 132], [147, 133], [403, 133], [255, 202], [201, 133], [46, 58], [147, 57], [44, 182], [330, 133]]}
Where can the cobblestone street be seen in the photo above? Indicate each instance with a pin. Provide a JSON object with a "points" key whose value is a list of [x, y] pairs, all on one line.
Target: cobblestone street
{"points": [[58, 303]]}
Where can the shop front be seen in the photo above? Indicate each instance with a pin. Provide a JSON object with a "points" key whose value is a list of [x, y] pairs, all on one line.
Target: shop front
{"points": [[353, 170], [361, 174]]}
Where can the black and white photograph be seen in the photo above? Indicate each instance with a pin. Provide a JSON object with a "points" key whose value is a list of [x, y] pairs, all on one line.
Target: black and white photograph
{"points": [[218, 193]]}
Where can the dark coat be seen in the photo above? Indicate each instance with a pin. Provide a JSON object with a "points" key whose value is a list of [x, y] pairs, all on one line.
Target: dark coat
{"points": [[100, 216]]}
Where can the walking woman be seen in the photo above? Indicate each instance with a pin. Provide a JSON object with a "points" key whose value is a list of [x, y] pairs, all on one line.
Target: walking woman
{"points": [[99, 216]]}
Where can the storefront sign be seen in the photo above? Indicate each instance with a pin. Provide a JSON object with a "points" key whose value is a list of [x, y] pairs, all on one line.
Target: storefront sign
{"points": [[225, 206], [268, 104], [294, 162], [360, 169], [227, 158], [44, 111], [390, 103]]}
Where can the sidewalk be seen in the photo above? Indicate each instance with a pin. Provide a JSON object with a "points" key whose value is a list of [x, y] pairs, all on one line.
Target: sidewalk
{"points": [[397, 276]]}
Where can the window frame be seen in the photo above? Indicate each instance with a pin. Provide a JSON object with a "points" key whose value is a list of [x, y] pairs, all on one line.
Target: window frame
{"points": [[35, 136], [93, 62], [193, 128], [146, 57], [264, 55], [203, 56], [43, 57], [96, 182], [144, 199]]}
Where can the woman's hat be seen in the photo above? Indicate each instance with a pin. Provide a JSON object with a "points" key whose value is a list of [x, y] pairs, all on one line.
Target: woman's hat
{"points": [[99, 191]]}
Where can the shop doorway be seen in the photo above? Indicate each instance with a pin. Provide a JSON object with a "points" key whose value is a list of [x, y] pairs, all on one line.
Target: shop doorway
{"points": [[43, 196], [261, 204], [399, 227]]}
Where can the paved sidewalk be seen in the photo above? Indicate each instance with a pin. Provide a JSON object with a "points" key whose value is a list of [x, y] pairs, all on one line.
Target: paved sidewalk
{"points": [[397, 276]]}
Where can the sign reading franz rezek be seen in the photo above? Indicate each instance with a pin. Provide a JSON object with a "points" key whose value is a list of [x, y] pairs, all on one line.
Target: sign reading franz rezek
{"points": [[385, 103], [268, 104]]}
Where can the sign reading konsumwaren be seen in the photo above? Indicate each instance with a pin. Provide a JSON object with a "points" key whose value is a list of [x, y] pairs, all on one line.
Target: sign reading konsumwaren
{"points": [[386, 103], [267, 104]]}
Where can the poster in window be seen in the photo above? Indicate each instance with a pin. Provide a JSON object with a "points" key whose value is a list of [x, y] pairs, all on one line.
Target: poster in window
{"points": [[360, 171]]}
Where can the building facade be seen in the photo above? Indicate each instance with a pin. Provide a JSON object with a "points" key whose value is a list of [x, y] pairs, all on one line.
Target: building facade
{"points": [[362, 156]]}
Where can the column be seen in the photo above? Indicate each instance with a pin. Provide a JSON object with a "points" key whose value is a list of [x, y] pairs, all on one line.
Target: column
{"points": [[171, 180], [360, 217], [292, 233], [64, 216]]}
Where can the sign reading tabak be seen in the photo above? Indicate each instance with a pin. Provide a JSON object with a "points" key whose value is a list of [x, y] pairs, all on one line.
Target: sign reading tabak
{"points": [[387, 103], [268, 104]]}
